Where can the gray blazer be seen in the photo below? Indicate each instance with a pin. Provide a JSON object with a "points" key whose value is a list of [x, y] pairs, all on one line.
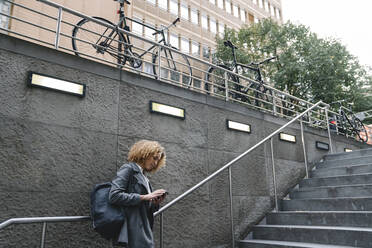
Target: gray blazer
{"points": [[125, 191]]}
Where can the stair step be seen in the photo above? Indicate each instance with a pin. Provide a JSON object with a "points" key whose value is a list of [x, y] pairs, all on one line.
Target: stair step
{"points": [[362, 190], [346, 236], [321, 218], [342, 171], [328, 204], [344, 162], [337, 180], [257, 243], [345, 155]]}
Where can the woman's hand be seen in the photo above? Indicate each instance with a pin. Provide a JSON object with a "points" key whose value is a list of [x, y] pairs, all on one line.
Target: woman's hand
{"points": [[155, 196], [159, 199]]}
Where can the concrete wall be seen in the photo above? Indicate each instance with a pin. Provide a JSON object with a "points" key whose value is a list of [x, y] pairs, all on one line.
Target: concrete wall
{"points": [[55, 147]]}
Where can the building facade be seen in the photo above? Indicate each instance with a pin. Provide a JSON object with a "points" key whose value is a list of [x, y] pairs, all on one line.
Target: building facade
{"points": [[201, 20]]}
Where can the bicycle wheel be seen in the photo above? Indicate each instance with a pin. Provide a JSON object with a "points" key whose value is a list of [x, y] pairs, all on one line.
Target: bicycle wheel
{"points": [[173, 66], [216, 80], [264, 97], [93, 40], [360, 130]]}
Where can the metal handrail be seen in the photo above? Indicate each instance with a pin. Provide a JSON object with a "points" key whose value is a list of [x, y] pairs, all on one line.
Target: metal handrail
{"points": [[228, 166], [43, 220], [216, 173]]}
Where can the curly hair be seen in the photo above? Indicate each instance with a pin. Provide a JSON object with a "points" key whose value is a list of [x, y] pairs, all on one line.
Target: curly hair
{"points": [[143, 149]]}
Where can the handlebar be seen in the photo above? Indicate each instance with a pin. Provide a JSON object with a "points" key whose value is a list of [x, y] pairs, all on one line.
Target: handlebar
{"points": [[230, 44], [175, 21], [263, 61], [167, 27]]}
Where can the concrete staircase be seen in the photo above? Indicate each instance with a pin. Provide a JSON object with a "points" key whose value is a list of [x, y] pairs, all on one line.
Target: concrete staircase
{"points": [[333, 208]]}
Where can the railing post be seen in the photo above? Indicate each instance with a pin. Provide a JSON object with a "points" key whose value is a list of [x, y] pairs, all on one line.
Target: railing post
{"points": [[309, 114], [161, 230], [159, 63], [58, 29], [231, 210], [274, 175], [304, 148], [225, 77], [274, 104], [42, 243], [329, 130]]}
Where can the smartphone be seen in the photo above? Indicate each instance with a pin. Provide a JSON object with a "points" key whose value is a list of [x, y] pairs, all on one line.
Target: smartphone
{"points": [[163, 195]]}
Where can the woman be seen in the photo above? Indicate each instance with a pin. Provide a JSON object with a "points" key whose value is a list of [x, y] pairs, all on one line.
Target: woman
{"points": [[132, 190]]}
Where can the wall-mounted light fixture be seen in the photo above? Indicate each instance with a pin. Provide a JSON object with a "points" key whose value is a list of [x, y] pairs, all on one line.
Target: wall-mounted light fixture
{"points": [[233, 125], [56, 84], [322, 145], [348, 150], [164, 109], [287, 137]]}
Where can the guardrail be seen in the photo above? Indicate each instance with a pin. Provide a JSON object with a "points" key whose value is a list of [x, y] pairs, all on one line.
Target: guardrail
{"points": [[54, 26], [232, 162], [43, 220]]}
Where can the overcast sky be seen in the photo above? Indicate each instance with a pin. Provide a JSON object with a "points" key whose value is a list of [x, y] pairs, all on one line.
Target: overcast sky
{"points": [[350, 21]]}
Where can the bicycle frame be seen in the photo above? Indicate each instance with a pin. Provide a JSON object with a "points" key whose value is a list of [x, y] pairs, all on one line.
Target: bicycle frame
{"points": [[235, 64]]}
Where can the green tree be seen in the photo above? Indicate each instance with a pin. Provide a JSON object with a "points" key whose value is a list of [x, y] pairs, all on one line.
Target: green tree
{"points": [[307, 66]]}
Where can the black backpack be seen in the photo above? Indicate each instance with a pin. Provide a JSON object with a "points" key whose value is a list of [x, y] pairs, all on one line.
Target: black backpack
{"points": [[107, 218]]}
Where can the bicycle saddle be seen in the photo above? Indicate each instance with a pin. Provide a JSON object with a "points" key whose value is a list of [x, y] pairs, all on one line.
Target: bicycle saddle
{"points": [[122, 1], [229, 44]]}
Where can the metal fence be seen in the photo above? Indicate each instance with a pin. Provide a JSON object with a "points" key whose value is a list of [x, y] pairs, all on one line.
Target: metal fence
{"points": [[99, 40]]}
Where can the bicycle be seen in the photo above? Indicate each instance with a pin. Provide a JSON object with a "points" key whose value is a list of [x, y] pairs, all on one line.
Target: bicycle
{"points": [[221, 80], [93, 40], [349, 126]]}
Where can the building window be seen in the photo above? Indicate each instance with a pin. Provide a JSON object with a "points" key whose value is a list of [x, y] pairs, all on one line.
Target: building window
{"points": [[148, 68], [212, 2], [204, 21], [213, 25], [196, 82], [228, 6], [220, 4], [163, 4], [260, 3], [185, 45], [195, 49], [272, 10], [242, 15], [221, 29], [4, 8], [194, 16], [185, 79], [151, 1], [255, 2], [236, 11], [136, 27], [164, 73], [267, 6], [206, 52], [278, 13], [184, 11], [256, 20], [173, 40], [173, 7]]}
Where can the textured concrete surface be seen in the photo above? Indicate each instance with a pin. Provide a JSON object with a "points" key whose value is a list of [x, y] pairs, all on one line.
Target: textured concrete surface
{"points": [[55, 147]]}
